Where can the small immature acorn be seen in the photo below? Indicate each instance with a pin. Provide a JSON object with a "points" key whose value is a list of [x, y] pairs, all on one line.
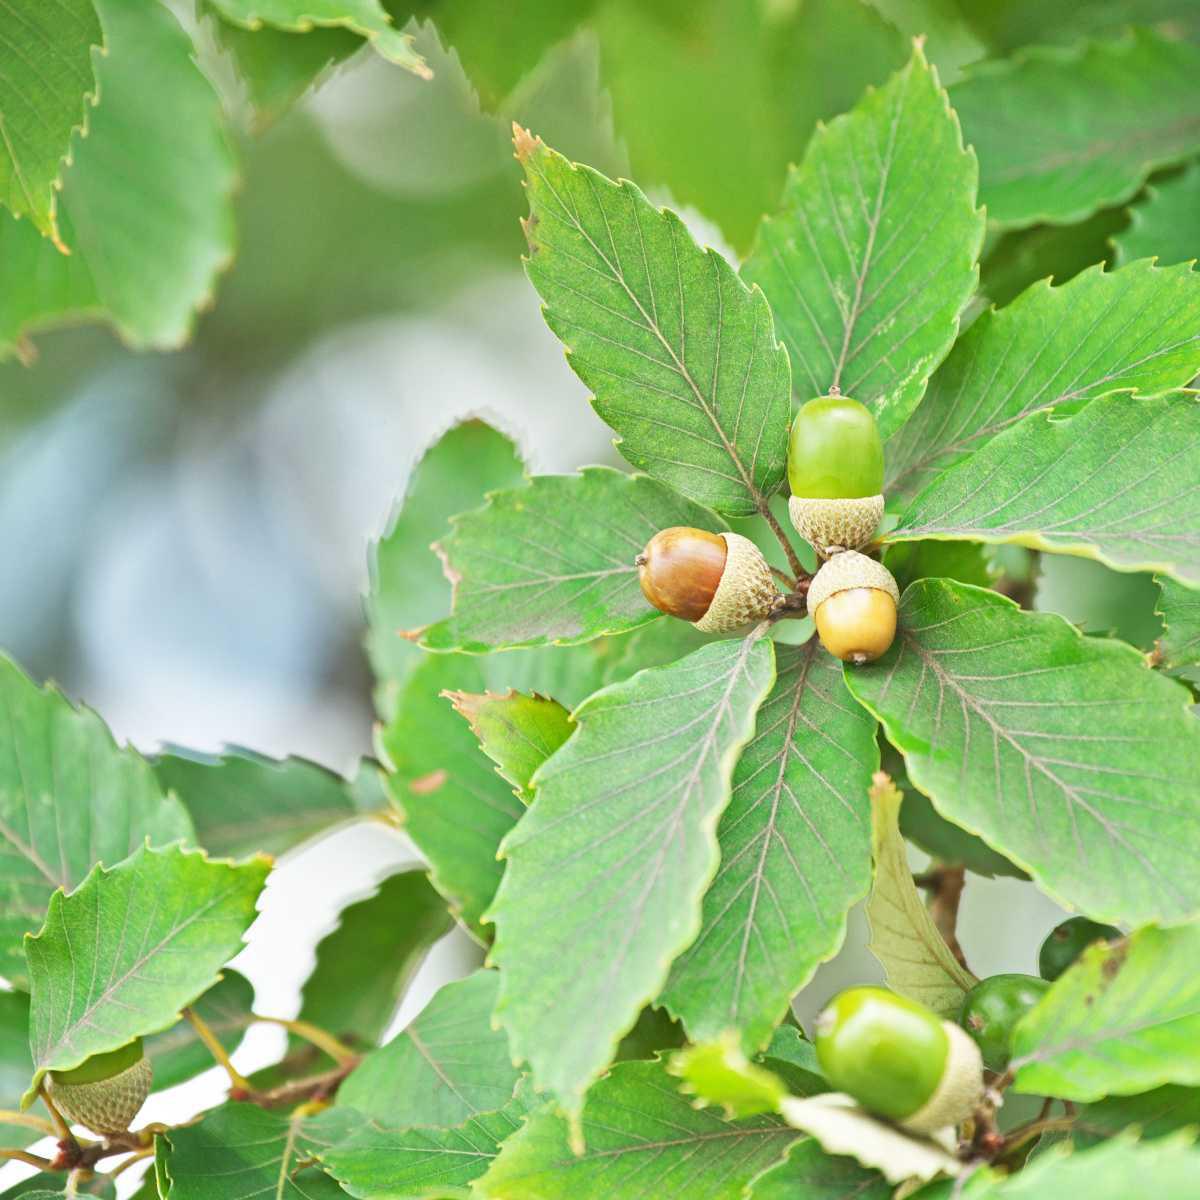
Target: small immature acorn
{"points": [[718, 581], [853, 599], [835, 468], [991, 1010], [1066, 942], [899, 1060], [105, 1092]]}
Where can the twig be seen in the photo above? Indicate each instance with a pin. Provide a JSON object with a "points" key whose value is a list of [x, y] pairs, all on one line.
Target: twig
{"points": [[315, 1087], [783, 577], [946, 885], [793, 559], [237, 1080], [136, 1157], [60, 1123], [1026, 1133], [34, 1160], [337, 1050], [8, 1117]]}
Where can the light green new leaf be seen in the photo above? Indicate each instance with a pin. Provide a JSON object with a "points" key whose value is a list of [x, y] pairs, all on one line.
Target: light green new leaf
{"points": [[808, 1171], [865, 274], [643, 1138], [15, 1065], [177, 1054], [517, 732], [1065, 753], [608, 866], [553, 561], [132, 945], [1133, 330], [1165, 223], [1124, 1019], [447, 1066], [795, 855], [914, 955], [1179, 608], [1054, 147], [719, 1073], [46, 86], [680, 354], [454, 806], [146, 203], [424, 1163], [1116, 482], [365, 17], [379, 944], [69, 798], [241, 802]]}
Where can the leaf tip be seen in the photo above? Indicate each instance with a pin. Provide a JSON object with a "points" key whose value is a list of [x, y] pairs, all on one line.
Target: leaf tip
{"points": [[524, 143]]}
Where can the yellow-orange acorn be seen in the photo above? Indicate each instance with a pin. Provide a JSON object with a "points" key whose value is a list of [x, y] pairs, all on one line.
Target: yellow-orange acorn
{"points": [[853, 599]]}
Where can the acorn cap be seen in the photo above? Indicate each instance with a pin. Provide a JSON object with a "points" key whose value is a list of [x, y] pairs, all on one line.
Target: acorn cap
{"points": [[846, 570], [746, 592], [833, 525], [106, 1105], [960, 1089]]}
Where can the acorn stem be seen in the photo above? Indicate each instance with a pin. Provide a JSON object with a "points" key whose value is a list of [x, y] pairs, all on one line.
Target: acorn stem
{"points": [[60, 1122], [205, 1034]]}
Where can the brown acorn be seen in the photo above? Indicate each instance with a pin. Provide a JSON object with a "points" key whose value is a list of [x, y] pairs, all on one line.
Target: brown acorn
{"points": [[853, 601], [718, 581]]}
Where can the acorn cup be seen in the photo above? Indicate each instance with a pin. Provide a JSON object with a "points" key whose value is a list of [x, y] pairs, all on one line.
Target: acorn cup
{"points": [[853, 600], [105, 1092], [835, 468], [717, 581]]}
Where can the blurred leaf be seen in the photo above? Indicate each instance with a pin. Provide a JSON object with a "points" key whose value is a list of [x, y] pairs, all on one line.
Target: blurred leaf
{"points": [[1099, 601], [1156, 1114], [865, 276], [553, 561], [607, 868], [1009, 24], [1180, 610], [795, 855], [806, 1170], [146, 203], [1116, 482], [1165, 224], [241, 802], [643, 1138], [123, 953], [655, 1030], [365, 17], [517, 732], [680, 354], [177, 1054], [15, 1065], [1053, 146], [1131, 330], [447, 1066], [1124, 1018], [1066, 753], [950, 43], [69, 798], [46, 87], [717, 1072], [964, 561], [914, 955], [794, 1060], [923, 825]]}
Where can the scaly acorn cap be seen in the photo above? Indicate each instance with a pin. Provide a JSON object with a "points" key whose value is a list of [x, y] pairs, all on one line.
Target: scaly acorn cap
{"points": [[834, 525], [849, 569], [746, 592], [104, 1106], [960, 1089]]}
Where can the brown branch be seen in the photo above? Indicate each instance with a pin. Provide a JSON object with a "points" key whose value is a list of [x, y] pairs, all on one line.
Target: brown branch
{"points": [[793, 558], [315, 1087], [945, 885]]}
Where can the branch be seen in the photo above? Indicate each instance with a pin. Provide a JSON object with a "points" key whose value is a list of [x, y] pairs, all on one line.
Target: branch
{"points": [[237, 1081], [34, 1160], [8, 1117], [794, 562], [946, 885]]}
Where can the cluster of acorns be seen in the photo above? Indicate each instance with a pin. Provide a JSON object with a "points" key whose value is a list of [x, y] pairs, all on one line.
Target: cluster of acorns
{"points": [[721, 581]]}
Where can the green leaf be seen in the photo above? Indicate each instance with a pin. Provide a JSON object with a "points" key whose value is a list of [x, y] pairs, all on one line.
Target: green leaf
{"points": [[517, 732], [454, 806], [177, 1054], [925, 827], [365, 965], [794, 1060], [1156, 1114], [806, 1170], [680, 354], [910, 561], [607, 869], [15, 1065], [69, 797], [169, 160], [1132, 330], [1116, 482], [241, 802], [1088, 152], [553, 561], [408, 587], [420, 1163], [1179, 608], [1125, 1018], [949, 40], [865, 276], [643, 1138], [1065, 753], [914, 955], [719, 1073], [46, 87], [365, 17], [448, 1066], [132, 945], [795, 855], [1006, 25], [1165, 223]]}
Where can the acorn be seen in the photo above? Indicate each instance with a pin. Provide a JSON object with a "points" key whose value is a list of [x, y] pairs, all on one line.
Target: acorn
{"points": [[853, 599], [1066, 942], [835, 468], [899, 1060], [991, 1010], [105, 1092], [718, 581]]}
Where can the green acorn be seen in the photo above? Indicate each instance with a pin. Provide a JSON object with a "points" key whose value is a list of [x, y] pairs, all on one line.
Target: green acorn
{"points": [[835, 468], [991, 1010], [105, 1092], [1066, 942], [899, 1060]]}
